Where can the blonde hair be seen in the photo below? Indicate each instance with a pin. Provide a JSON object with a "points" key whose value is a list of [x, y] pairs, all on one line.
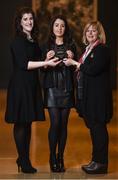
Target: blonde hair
{"points": [[99, 28]]}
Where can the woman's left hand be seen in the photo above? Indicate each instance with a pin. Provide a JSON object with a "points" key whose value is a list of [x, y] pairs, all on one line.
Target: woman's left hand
{"points": [[70, 54]]}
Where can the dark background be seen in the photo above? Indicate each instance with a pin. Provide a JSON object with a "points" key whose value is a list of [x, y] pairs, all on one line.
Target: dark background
{"points": [[7, 10], [107, 14]]}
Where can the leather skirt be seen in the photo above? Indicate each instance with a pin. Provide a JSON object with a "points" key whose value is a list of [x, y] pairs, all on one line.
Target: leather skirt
{"points": [[54, 97]]}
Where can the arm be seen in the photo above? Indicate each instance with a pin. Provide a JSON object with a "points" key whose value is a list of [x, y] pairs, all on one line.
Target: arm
{"points": [[21, 60], [71, 62], [37, 64], [18, 51]]}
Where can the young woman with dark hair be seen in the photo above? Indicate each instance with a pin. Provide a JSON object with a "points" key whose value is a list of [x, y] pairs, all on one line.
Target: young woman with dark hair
{"points": [[24, 99], [59, 89]]}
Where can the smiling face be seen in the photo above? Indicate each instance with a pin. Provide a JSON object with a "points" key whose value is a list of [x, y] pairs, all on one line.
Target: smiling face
{"points": [[59, 28], [91, 34], [27, 23]]}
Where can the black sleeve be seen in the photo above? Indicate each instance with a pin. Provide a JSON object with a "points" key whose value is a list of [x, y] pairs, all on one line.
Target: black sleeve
{"points": [[98, 63], [38, 53], [74, 50], [44, 51], [18, 50]]}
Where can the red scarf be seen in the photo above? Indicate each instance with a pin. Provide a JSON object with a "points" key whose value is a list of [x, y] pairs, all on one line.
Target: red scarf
{"points": [[87, 52]]}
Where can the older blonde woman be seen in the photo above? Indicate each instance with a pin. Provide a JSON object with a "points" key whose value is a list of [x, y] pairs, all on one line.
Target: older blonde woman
{"points": [[94, 101]]}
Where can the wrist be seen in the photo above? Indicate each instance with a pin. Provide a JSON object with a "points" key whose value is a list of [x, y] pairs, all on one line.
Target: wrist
{"points": [[75, 63]]}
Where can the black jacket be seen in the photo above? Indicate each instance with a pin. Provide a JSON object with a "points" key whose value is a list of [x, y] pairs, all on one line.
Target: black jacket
{"points": [[97, 95]]}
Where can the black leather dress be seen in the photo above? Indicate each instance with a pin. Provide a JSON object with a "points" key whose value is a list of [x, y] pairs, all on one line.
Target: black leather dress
{"points": [[61, 94]]}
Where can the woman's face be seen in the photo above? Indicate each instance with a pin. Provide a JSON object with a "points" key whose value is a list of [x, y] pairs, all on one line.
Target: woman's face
{"points": [[59, 28], [27, 22], [91, 34]]}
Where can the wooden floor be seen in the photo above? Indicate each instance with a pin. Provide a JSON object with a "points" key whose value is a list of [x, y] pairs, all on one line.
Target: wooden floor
{"points": [[77, 151]]}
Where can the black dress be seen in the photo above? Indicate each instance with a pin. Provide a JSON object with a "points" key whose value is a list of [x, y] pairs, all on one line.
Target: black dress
{"points": [[59, 90], [24, 98]]}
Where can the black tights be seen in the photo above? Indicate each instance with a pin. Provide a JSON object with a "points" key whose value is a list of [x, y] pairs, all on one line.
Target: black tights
{"points": [[22, 136], [57, 134]]}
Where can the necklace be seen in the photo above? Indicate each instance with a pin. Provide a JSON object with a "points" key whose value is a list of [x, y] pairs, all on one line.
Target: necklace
{"points": [[30, 39]]}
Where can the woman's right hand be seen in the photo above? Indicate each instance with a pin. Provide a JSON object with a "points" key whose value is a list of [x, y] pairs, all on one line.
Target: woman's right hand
{"points": [[53, 62], [50, 54], [71, 62]]}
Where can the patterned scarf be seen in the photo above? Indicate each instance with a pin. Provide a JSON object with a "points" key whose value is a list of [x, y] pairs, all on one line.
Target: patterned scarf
{"points": [[88, 50]]}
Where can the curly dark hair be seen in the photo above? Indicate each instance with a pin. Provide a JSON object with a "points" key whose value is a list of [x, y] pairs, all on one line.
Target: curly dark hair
{"points": [[67, 34], [18, 30]]}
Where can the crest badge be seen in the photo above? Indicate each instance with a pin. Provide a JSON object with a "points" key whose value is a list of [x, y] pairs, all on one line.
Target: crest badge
{"points": [[92, 55]]}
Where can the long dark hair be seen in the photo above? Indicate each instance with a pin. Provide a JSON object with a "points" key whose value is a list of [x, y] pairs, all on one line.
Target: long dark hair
{"points": [[18, 29], [67, 34]]}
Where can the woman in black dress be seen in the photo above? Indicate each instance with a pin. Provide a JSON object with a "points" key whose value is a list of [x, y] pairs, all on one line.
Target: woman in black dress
{"points": [[94, 102], [24, 99], [58, 89]]}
